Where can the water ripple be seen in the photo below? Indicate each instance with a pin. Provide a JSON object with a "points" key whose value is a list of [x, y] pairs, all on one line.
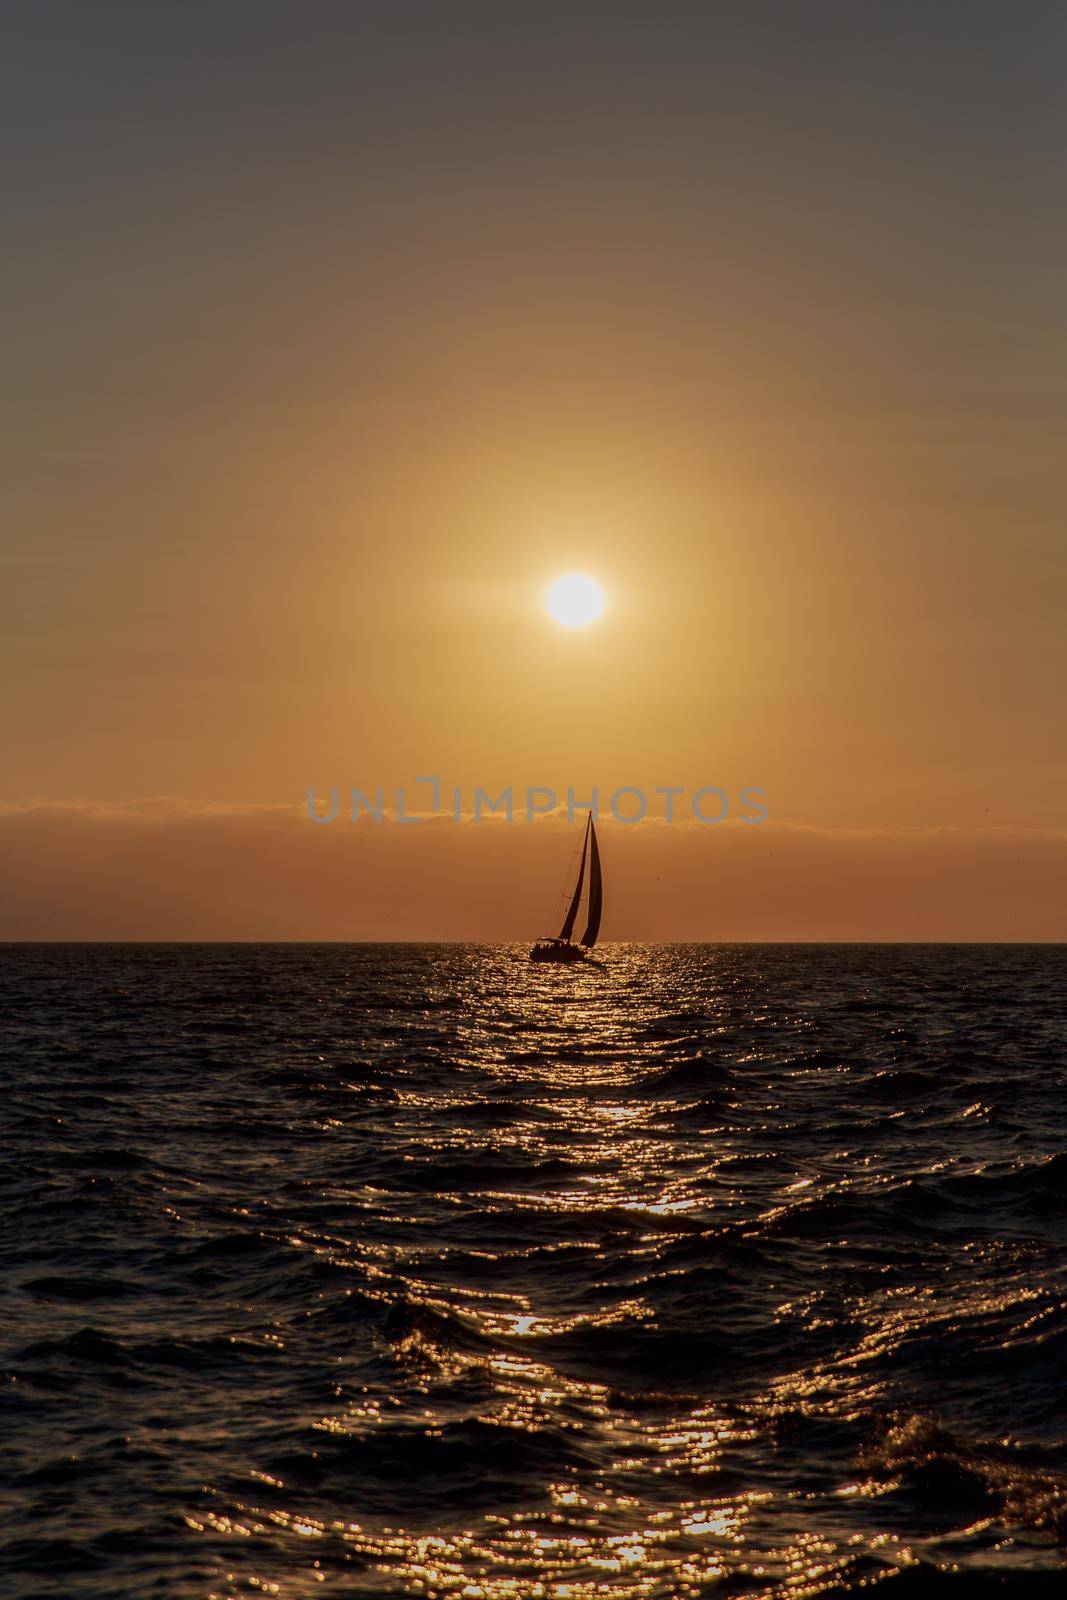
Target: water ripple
{"points": [[376, 1270]]}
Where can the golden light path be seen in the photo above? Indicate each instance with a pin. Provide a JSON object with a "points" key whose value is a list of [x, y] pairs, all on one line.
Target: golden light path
{"points": [[645, 1500]]}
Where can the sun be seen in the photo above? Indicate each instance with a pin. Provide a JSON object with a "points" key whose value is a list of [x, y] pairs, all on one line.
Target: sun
{"points": [[574, 600]]}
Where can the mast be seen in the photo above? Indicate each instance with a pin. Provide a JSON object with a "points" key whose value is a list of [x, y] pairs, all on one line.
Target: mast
{"points": [[596, 889], [568, 923]]}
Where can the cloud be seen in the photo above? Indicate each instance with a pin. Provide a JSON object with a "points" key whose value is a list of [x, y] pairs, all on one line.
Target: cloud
{"points": [[166, 868]]}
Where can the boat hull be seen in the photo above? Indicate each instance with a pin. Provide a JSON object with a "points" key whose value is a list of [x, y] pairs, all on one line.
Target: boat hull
{"points": [[557, 950]]}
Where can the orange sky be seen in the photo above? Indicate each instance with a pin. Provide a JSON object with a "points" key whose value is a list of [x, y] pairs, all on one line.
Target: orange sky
{"points": [[324, 358]]}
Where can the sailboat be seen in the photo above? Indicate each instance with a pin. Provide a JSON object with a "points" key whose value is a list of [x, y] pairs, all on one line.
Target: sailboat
{"points": [[563, 949]]}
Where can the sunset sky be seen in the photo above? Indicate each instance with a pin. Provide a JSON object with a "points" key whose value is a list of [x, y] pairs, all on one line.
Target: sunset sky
{"points": [[334, 333]]}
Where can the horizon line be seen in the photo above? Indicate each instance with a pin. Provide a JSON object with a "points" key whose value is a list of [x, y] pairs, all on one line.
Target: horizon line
{"points": [[505, 944]]}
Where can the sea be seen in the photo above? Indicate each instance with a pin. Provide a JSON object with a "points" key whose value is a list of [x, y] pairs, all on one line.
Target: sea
{"points": [[383, 1270]]}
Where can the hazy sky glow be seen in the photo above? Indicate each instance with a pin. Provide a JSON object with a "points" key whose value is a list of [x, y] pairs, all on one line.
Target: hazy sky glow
{"points": [[334, 334]]}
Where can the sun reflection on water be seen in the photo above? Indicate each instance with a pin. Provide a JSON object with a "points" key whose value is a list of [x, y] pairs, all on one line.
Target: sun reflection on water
{"points": [[615, 1522], [557, 1297]]}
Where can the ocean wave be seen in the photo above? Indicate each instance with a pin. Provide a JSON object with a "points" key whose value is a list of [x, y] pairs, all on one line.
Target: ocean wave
{"points": [[732, 1271]]}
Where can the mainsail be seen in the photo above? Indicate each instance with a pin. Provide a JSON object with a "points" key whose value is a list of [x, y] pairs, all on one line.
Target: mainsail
{"points": [[568, 924], [596, 891]]}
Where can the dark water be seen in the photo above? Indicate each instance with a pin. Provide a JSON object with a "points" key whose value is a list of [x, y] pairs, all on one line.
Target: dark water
{"points": [[380, 1270]]}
